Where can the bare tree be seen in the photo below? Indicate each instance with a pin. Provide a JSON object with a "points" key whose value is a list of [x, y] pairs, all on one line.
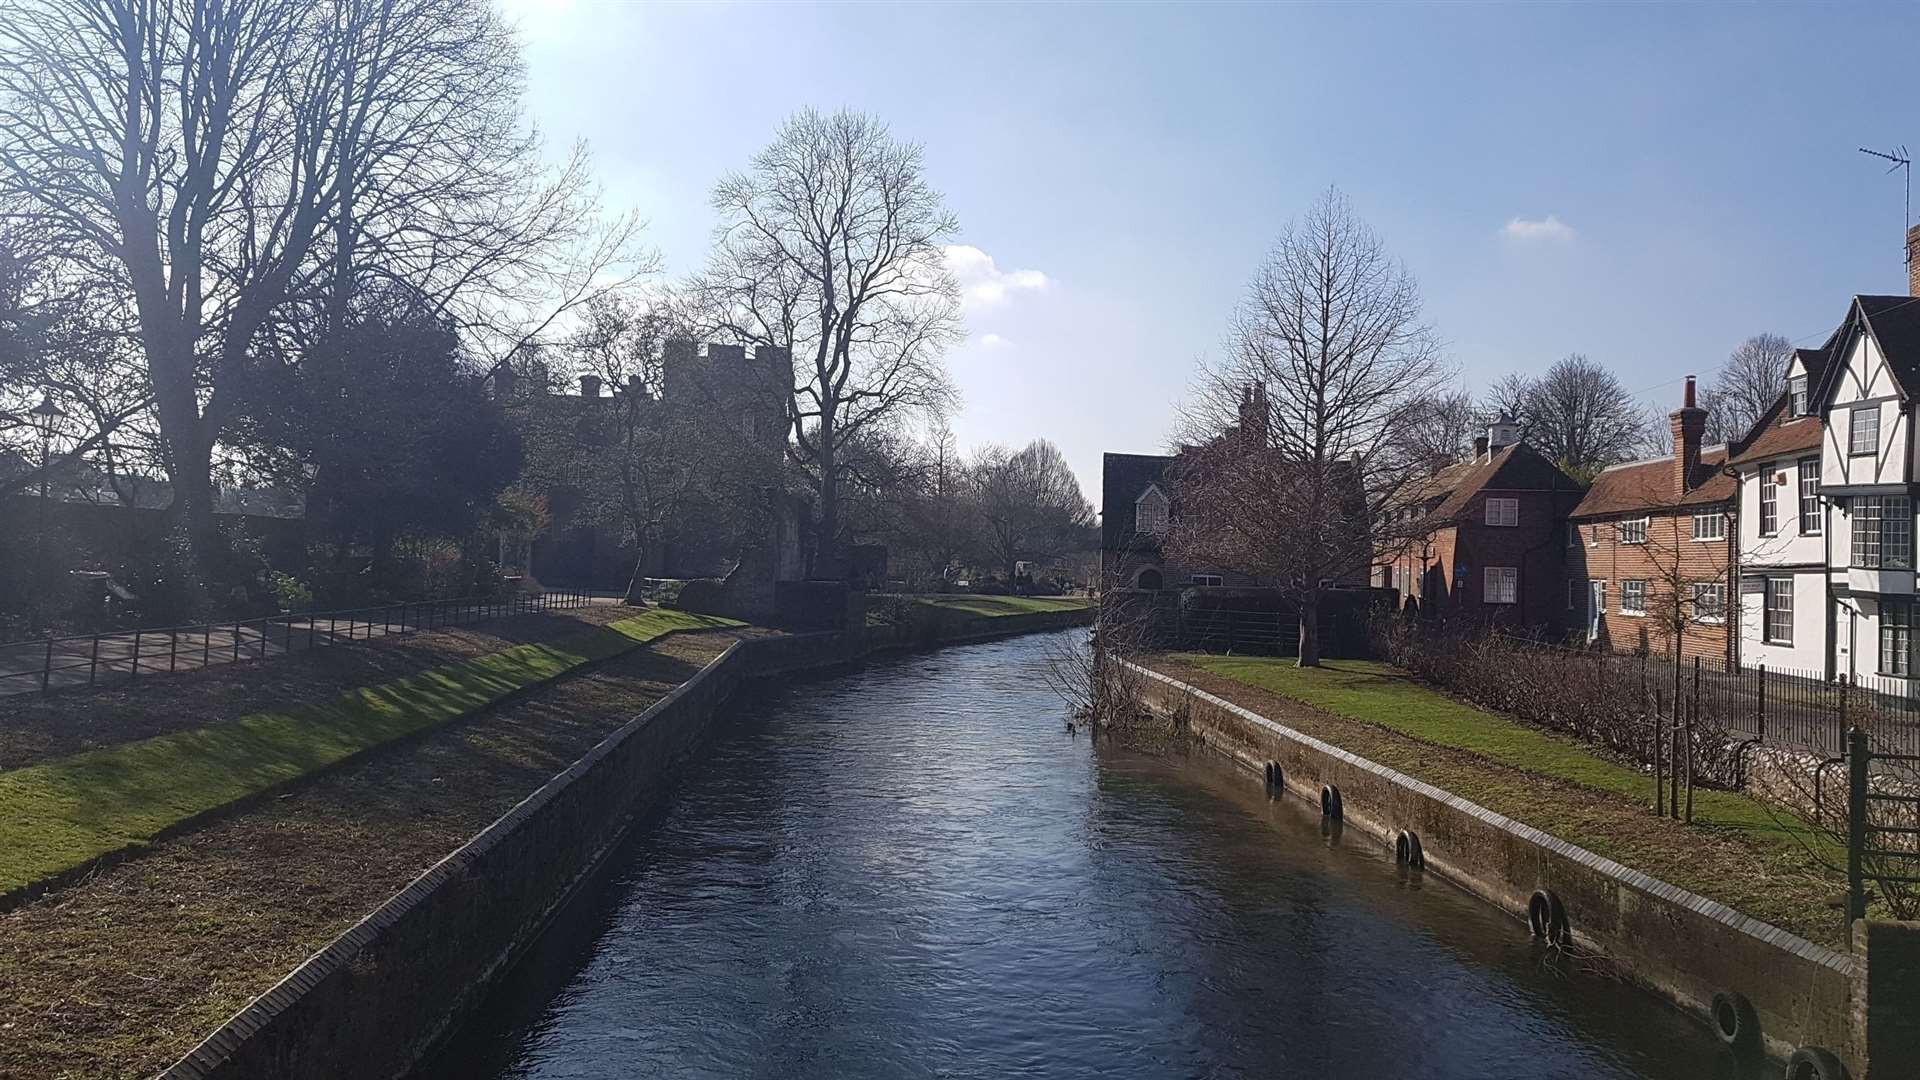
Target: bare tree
{"points": [[1030, 505], [830, 246], [1753, 378], [1579, 415], [1292, 465], [1440, 430], [236, 169]]}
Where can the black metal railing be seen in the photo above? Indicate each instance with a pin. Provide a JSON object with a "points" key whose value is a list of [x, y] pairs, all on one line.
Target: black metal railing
{"points": [[1883, 823], [60, 663]]}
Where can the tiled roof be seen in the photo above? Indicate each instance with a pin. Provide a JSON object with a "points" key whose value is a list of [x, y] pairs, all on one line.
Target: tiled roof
{"points": [[1895, 321], [1648, 485], [1122, 478], [1777, 435], [1517, 467]]}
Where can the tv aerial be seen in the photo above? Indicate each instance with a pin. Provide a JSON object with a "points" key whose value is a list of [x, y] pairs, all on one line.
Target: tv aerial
{"points": [[1899, 159]]}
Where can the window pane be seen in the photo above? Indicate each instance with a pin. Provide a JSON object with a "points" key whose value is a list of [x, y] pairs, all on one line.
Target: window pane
{"points": [[1779, 627], [1866, 430], [1769, 500], [1810, 523]]}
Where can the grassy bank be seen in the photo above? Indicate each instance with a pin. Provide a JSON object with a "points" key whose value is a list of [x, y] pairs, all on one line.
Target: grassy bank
{"points": [[1737, 850], [1001, 605], [66, 812]]}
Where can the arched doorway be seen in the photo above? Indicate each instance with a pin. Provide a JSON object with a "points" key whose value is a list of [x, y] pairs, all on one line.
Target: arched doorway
{"points": [[1148, 579]]}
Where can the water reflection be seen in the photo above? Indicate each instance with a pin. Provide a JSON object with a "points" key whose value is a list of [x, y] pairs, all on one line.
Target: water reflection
{"points": [[914, 871]]}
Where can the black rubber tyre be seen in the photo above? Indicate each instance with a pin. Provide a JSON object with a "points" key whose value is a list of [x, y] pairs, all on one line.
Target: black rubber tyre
{"points": [[1414, 858], [1273, 774], [1813, 1063], [1547, 917], [1735, 1021], [1330, 802]]}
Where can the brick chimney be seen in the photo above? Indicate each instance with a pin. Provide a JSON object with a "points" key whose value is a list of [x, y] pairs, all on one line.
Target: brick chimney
{"points": [[503, 381], [1913, 261], [1479, 448], [589, 386], [637, 386], [1689, 428], [1253, 413]]}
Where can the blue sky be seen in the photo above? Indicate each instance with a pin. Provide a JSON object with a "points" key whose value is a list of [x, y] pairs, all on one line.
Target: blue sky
{"points": [[1645, 184]]}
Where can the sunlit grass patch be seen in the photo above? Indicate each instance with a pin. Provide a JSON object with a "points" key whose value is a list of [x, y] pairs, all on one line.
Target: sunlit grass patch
{"points": [[64, 813]]}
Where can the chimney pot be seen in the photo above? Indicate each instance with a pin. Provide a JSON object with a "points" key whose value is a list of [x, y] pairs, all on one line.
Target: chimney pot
{"points": [[589, 386], [1690, 400], [1913, 261]]}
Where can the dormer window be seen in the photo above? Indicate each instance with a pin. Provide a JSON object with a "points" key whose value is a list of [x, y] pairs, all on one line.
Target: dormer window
{"points": [[1797, 396], [1150, 511]]}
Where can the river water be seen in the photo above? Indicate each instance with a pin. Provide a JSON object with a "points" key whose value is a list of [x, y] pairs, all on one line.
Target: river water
{"points": [[914, 871]]}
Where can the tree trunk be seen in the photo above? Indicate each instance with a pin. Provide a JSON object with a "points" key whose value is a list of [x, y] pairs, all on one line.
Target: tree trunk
{"points": [[826, 545], [1310, 630], [636, 596]]}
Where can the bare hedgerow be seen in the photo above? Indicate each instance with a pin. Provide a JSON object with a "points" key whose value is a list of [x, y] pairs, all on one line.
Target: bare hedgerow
{"points": [[1807, 794]]}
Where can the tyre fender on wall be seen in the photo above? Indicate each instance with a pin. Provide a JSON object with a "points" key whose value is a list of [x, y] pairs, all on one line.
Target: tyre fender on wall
{"points": [[1406, 850], [1736, 1021], [1330, 802], [1547, 917], [1813, 1063]]}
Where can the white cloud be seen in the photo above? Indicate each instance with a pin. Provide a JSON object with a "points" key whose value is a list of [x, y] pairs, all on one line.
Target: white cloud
{"points": [[1547, 230], [982, 283], [994, 341]]}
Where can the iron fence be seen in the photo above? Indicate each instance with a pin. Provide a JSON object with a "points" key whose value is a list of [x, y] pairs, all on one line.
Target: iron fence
{"points": [[1774, 705], [60, 663]]}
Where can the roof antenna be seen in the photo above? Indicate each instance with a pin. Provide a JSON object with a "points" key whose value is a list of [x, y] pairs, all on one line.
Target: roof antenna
{"points": [[1900, 160]]}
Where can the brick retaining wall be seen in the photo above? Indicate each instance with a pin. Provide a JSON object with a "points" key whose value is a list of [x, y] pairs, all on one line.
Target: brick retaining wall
{"points": [[1682, 945]]}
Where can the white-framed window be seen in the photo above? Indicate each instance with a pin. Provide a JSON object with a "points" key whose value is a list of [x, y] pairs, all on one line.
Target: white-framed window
{"points": [[1896, 637], [1150, 512], [1779, 610], [1883, 532], [1503, 512], [1503, 585], [1632, 530], [1711, 525], [1203, 579], [1863, 433], [1633, 598], [1769, 500], [1810, 515], [1797, 396], [1709, 602]]}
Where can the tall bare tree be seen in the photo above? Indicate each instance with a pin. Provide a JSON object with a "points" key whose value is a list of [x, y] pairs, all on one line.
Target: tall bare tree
{"points": [[235, 169], [1752, 379], [830, 245], [1030, 505], [1293, 466], [1578, 414], [1440, 430]]}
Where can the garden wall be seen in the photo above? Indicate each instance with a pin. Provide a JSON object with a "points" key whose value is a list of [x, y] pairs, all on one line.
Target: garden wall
{"points": [[1680, 944]]}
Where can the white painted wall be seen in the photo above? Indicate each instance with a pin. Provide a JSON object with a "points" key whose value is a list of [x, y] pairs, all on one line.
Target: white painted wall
{"points": [[1792, 543], [1866, 377], [1808, 653]]}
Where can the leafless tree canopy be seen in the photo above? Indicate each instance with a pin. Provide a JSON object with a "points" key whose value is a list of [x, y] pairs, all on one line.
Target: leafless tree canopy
{"points": [[1440, 430], [831, 245], [1578, 414], [1292, 464], [1753, 378], [1030, 505], [236, 169]]}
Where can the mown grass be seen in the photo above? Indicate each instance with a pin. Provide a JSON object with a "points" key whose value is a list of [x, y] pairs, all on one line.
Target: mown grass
{"points": [[63, 813], [1378, 694], [1002, 605]]}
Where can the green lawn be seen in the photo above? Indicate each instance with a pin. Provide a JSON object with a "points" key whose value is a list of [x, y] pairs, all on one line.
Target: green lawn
{"points": [[1377, 694], [63, 813], [1002, 605]]}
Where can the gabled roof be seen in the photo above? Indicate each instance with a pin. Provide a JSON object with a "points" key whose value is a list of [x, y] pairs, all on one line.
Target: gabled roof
{"points": [[1123, 477], [1894, 322], [1776, 434], [1648, 485], [1518, 468]]}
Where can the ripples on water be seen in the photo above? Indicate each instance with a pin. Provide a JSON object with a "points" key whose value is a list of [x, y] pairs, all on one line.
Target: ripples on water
{"points": [[913, 871]]}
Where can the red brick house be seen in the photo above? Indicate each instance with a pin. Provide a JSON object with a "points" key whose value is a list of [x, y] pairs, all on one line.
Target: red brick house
{"points": [[1484, 538], [1650, 549]]}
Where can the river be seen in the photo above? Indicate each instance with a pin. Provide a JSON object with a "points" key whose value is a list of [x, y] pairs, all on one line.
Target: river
{"points": [[914, 871]]}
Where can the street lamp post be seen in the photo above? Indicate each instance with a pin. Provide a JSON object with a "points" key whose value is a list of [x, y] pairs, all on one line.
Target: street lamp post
{"points": [[46, 418]]}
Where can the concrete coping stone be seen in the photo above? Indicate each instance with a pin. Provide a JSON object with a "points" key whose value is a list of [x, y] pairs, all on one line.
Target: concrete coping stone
{"points": [[1626, 875]]}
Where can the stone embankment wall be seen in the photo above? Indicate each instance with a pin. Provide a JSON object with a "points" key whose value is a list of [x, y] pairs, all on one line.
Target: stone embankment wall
{"points": [[375, 1001], [1678, 943]]}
